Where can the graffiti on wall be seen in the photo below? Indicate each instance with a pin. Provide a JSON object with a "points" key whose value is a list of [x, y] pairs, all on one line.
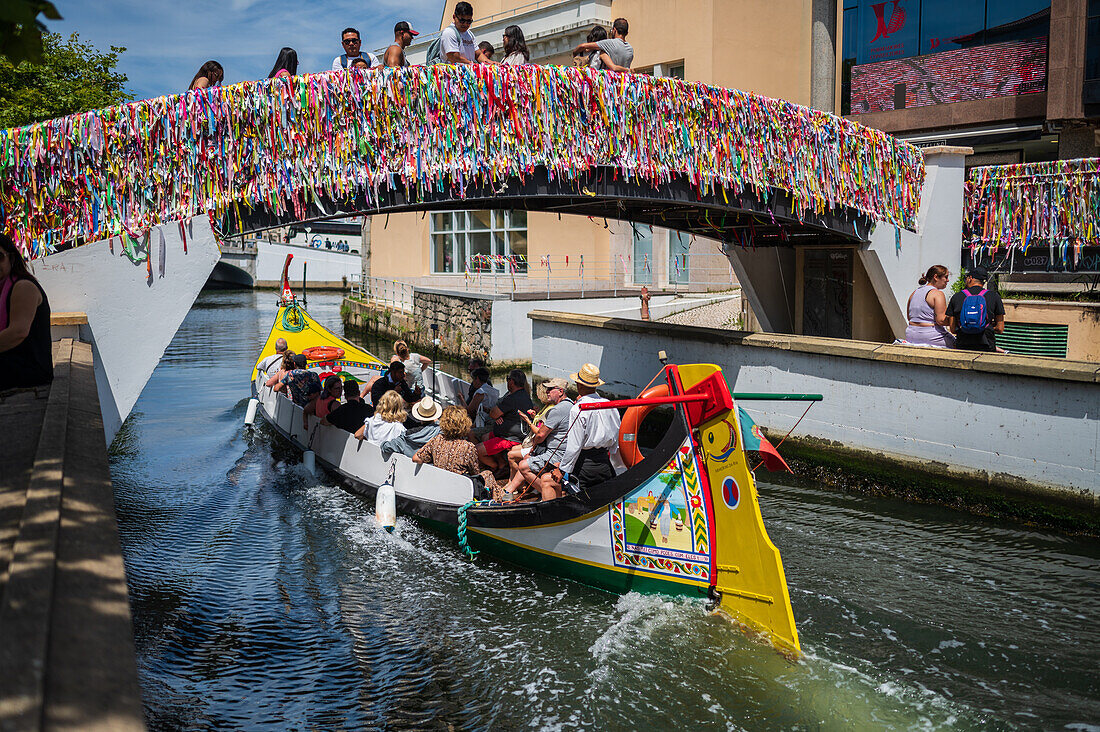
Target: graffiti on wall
{"points": [[985, 72]]}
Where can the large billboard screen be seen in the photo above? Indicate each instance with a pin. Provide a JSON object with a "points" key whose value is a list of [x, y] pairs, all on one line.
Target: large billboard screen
{"points": [[984, 72]]}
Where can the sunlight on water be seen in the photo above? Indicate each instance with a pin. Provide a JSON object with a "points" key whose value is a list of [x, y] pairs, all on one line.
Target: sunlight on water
{"points": [[266, 598]]}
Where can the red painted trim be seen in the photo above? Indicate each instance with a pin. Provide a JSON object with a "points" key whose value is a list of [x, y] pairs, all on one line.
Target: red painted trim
{"points": [[644, 401]]}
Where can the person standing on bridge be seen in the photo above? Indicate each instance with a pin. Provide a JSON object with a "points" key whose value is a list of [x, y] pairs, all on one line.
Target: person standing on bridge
{"points": [[351, 41], [457, 43], [286, 64], [26, 348], [402, 36], [515, 47], [209, 74], [615, 53]]}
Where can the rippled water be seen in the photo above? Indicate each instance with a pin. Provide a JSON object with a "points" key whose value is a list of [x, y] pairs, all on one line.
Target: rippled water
{"points": [[265, 598]]}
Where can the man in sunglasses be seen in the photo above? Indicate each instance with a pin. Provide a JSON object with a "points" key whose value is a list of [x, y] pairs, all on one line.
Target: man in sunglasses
{"points": [[457, 43], [402, 37], [351, 41]]}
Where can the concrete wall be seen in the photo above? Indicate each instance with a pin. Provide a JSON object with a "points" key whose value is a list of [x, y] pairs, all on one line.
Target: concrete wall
{"points": [[894, 272], [132, 314], [1015, 421], [321, 265]]}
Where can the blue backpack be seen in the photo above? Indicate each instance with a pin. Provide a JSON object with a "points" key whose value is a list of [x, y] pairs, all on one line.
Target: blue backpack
{"points": [[972, 313], [435, 53]]}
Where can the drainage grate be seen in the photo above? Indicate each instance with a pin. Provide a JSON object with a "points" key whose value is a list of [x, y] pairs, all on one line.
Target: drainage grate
{"points": [[1035, 339]]}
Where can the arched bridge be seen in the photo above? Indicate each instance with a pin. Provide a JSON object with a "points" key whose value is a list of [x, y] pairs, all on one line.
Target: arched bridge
{"points": [[718, 162]]}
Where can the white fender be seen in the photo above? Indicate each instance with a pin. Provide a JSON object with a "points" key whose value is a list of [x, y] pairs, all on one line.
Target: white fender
{"points": [[309, 460], [385, 503], [250, 414]]}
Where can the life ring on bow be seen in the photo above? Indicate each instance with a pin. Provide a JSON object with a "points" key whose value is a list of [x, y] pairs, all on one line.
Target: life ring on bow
{"points": [[323, 353], [632, 420]]}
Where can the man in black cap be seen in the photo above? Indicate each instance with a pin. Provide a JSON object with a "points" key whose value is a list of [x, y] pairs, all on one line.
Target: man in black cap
{"points": [[402, 36], [975, 315]]}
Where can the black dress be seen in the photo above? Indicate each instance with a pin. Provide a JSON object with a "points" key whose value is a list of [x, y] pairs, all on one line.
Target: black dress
{"points": [[31, 362]]}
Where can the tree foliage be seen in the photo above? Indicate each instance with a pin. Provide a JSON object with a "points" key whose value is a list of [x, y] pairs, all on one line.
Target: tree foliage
{"points": [[72, 77], [21, 30]]}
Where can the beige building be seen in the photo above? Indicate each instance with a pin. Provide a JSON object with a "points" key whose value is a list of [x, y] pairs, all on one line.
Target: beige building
{"points": [[753, 45]]}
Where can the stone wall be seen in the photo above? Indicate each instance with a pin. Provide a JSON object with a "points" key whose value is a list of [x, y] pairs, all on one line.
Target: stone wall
{"points": [[465, 321]]}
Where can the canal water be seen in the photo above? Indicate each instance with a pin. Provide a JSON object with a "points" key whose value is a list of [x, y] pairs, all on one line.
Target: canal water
{"points": [[264, 598]]}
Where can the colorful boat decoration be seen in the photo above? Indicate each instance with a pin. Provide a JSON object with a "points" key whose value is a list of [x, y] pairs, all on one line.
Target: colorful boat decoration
{"points": [[682, 520]]}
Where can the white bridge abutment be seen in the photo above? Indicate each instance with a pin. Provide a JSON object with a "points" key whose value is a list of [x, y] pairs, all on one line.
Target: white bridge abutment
{"points": [[1020, 423]]}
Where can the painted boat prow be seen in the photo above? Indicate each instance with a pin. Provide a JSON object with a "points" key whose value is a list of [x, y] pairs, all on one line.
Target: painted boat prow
{"points": [[749, 574]]}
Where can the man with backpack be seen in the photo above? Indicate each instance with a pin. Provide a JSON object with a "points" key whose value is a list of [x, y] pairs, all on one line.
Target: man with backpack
{"points": [[975, 315], [456, 45]]}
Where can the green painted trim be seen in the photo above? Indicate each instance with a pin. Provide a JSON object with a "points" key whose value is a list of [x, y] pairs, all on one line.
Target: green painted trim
{"points": [[604, 579]]}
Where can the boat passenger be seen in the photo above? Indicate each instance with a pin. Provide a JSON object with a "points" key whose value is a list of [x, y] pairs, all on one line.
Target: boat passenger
{"points": [[271, 364], [329, 399], [285, 367], [592, 446], [394, 380], [26, 347], [352, 414], [451, 450], [548, 444], [927, 310], [471, 366], [388, 419], [485, 397], [421, 426], [532, 420], [415, 365], [303, 385], [506, 425]]}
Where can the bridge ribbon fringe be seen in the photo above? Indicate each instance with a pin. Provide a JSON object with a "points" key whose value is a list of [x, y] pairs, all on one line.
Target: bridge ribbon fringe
{"points": [[279, 144], [1056, 204]]}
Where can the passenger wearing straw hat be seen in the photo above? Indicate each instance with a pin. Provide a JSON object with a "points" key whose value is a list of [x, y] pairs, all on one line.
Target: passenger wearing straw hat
{"points": [[421, 426], [592, 443]]}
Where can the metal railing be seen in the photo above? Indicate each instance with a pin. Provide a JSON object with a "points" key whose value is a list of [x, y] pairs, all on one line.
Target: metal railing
{"points": [[383, 291], [425, 39], [689, 272]]}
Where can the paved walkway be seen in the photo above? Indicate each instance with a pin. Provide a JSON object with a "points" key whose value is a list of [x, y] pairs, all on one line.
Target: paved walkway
{"points": [[724, 314], [66, 644]]}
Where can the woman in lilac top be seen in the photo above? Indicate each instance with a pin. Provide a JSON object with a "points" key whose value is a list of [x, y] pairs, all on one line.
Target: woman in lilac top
{"points": [[927, 311]]}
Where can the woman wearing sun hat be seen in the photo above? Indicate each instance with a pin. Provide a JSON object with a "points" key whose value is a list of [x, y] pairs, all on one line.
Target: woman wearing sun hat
{"points": [[592, 445], [421, 426]]}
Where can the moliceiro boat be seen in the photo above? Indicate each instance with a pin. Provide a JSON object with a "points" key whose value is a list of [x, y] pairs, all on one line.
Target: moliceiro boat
{"points": [[682, 520]]}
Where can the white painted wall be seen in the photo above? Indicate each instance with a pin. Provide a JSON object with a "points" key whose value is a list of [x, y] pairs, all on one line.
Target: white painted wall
{"points": [[938, 240], [512, 328], [1043, 431], [131, 318], [321, 265]]}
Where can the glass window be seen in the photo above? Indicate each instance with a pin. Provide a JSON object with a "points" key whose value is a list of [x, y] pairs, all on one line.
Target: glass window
{"points": [[950, 24], [1002, 12], [458, 236], [888, 30], [676, 71], [678, 246]]}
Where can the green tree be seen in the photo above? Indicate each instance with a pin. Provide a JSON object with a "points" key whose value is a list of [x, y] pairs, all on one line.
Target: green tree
{"points": [[21, 30], [73, 77]]}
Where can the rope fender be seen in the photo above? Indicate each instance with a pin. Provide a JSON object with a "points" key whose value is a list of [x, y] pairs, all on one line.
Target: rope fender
{"points": [[462, 543]]}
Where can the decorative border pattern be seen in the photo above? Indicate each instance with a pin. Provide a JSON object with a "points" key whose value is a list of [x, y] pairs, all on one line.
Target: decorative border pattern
{"points": [[646, 559]]}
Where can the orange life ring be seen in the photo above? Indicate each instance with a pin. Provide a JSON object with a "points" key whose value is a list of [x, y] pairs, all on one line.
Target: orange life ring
{"points": [[323, 353], [632, 420]]}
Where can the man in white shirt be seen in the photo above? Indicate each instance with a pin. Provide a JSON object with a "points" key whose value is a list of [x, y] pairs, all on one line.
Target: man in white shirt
{"points": [[457, 44], [592, 445], [351, 41], [272, 363]]}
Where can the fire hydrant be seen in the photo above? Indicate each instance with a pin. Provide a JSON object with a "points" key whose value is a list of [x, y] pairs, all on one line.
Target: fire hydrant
{"points": [[645, 302]]}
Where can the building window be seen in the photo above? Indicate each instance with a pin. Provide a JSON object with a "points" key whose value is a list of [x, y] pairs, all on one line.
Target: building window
{"points": [[459, 236], [676, 70], [1092, 43], [643, 253], [679, 249]]}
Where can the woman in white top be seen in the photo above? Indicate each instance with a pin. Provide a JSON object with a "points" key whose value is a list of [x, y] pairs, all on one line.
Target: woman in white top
{"points": [[927, 310], [485, 397], [515, 47], [387, 421]]}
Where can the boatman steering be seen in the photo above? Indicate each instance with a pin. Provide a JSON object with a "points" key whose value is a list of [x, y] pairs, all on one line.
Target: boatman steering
{"points": [[592, 444]]}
